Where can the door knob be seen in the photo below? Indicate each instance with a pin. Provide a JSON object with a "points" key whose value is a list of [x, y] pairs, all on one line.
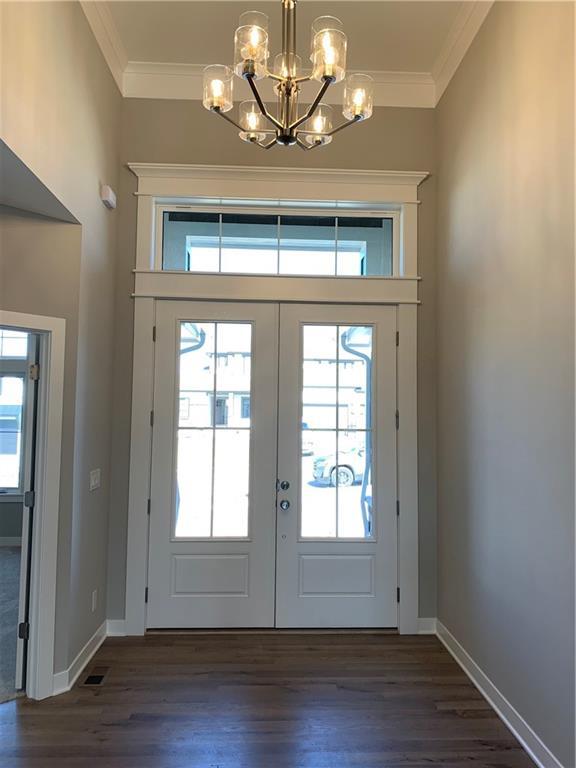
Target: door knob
{"points": [[284, 504]]}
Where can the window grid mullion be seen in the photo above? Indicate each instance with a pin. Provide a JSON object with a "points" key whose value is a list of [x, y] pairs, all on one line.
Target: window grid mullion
{"points": [[279, 234], [214, 394], [337, 421], [336, 246], [219, 243]]}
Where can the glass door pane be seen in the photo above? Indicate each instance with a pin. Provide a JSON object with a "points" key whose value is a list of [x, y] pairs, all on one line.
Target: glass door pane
{"points": [[336, 432], [213, 433]]}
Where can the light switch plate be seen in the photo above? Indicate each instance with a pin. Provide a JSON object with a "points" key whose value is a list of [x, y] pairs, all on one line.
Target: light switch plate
{"points": [[94, 479]]}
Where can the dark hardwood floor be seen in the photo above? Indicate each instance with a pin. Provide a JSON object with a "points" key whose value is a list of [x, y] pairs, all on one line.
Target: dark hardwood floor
{"points": [[263, 700]]}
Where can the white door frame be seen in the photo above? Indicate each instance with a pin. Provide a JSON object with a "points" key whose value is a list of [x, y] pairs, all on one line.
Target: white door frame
{"points": [[159, 184], [40, 661]]}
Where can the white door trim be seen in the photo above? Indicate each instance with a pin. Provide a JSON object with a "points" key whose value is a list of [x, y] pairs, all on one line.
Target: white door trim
{"points": [[396, 190], [40, 663], [140, 463], [158, 183]]}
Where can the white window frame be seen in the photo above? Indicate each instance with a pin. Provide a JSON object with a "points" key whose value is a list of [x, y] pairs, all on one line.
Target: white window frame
{"points": [[161, 207], [342, 191]]}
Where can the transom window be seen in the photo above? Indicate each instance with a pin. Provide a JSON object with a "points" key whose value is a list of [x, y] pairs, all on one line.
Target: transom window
{"points": [[271, 244]]}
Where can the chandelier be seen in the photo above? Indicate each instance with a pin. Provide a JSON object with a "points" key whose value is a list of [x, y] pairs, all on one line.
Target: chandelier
{"points": [[313, 125]]}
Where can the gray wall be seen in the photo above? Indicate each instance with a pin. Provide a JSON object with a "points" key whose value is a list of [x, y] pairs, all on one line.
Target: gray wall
{"points": [[59, 115], [506, 361], [10, 519], [167, 131]]}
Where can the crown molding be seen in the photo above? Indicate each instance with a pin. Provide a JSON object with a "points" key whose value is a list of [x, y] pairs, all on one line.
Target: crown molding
{"points": [[257, 173], [159, 80], [156, 80], [466, 25], [104, 30]]}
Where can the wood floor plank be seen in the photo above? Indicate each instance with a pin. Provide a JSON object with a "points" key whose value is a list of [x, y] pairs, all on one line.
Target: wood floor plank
{"points": [[263, 700]]}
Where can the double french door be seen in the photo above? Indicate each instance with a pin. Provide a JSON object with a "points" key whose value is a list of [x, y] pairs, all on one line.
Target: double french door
{"points": [[273, 486]]}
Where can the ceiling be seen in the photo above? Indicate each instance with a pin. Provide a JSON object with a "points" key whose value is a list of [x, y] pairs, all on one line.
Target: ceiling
{"points": [[395, 36], [157, 49]]}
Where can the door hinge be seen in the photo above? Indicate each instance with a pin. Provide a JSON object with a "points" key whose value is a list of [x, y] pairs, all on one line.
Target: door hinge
{"points": [[34, 372], [146, 595], [151, 418], [149, 505], [397, 507], [397, 338], [153, 333], [29, 499], [397, 594], [397, 419], [24, 630]]}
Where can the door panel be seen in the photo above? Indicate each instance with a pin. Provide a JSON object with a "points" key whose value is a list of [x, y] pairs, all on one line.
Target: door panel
{"points": [[336, 543], [212, 526], [273, 498]]}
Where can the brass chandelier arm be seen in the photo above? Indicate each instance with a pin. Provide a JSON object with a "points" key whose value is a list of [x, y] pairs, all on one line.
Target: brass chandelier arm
{"points": [[307, 147], [268, 145], [353, 121], [312, 108], [293, 80], [218, 111], [261, 104]]}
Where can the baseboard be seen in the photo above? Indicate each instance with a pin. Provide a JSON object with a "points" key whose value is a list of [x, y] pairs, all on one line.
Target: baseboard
{"points": [[63, 681], [531, 742], [116, 627], [426, 626], [10, 541]]}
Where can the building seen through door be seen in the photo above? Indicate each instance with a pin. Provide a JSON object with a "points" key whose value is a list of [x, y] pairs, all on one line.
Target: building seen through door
{"points": [[337, 379]]}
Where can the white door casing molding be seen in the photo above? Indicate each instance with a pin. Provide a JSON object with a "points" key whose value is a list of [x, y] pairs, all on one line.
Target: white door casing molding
{"points": [[363, 189], [40, 662], [185, 183]]}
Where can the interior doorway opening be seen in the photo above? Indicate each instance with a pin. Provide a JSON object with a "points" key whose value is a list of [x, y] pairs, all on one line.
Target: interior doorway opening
{"points": [[31, 458], [19, 367]]}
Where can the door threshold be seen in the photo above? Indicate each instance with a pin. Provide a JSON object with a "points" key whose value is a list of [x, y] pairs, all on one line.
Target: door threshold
{"points": [[276, 631]]}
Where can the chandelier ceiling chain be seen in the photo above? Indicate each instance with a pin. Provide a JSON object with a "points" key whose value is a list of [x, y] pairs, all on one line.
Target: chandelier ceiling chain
{"points": [[314, 126]]}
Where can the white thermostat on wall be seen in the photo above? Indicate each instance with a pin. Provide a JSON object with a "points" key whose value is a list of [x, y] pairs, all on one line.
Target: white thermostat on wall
{"points": [[108, 196]]}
